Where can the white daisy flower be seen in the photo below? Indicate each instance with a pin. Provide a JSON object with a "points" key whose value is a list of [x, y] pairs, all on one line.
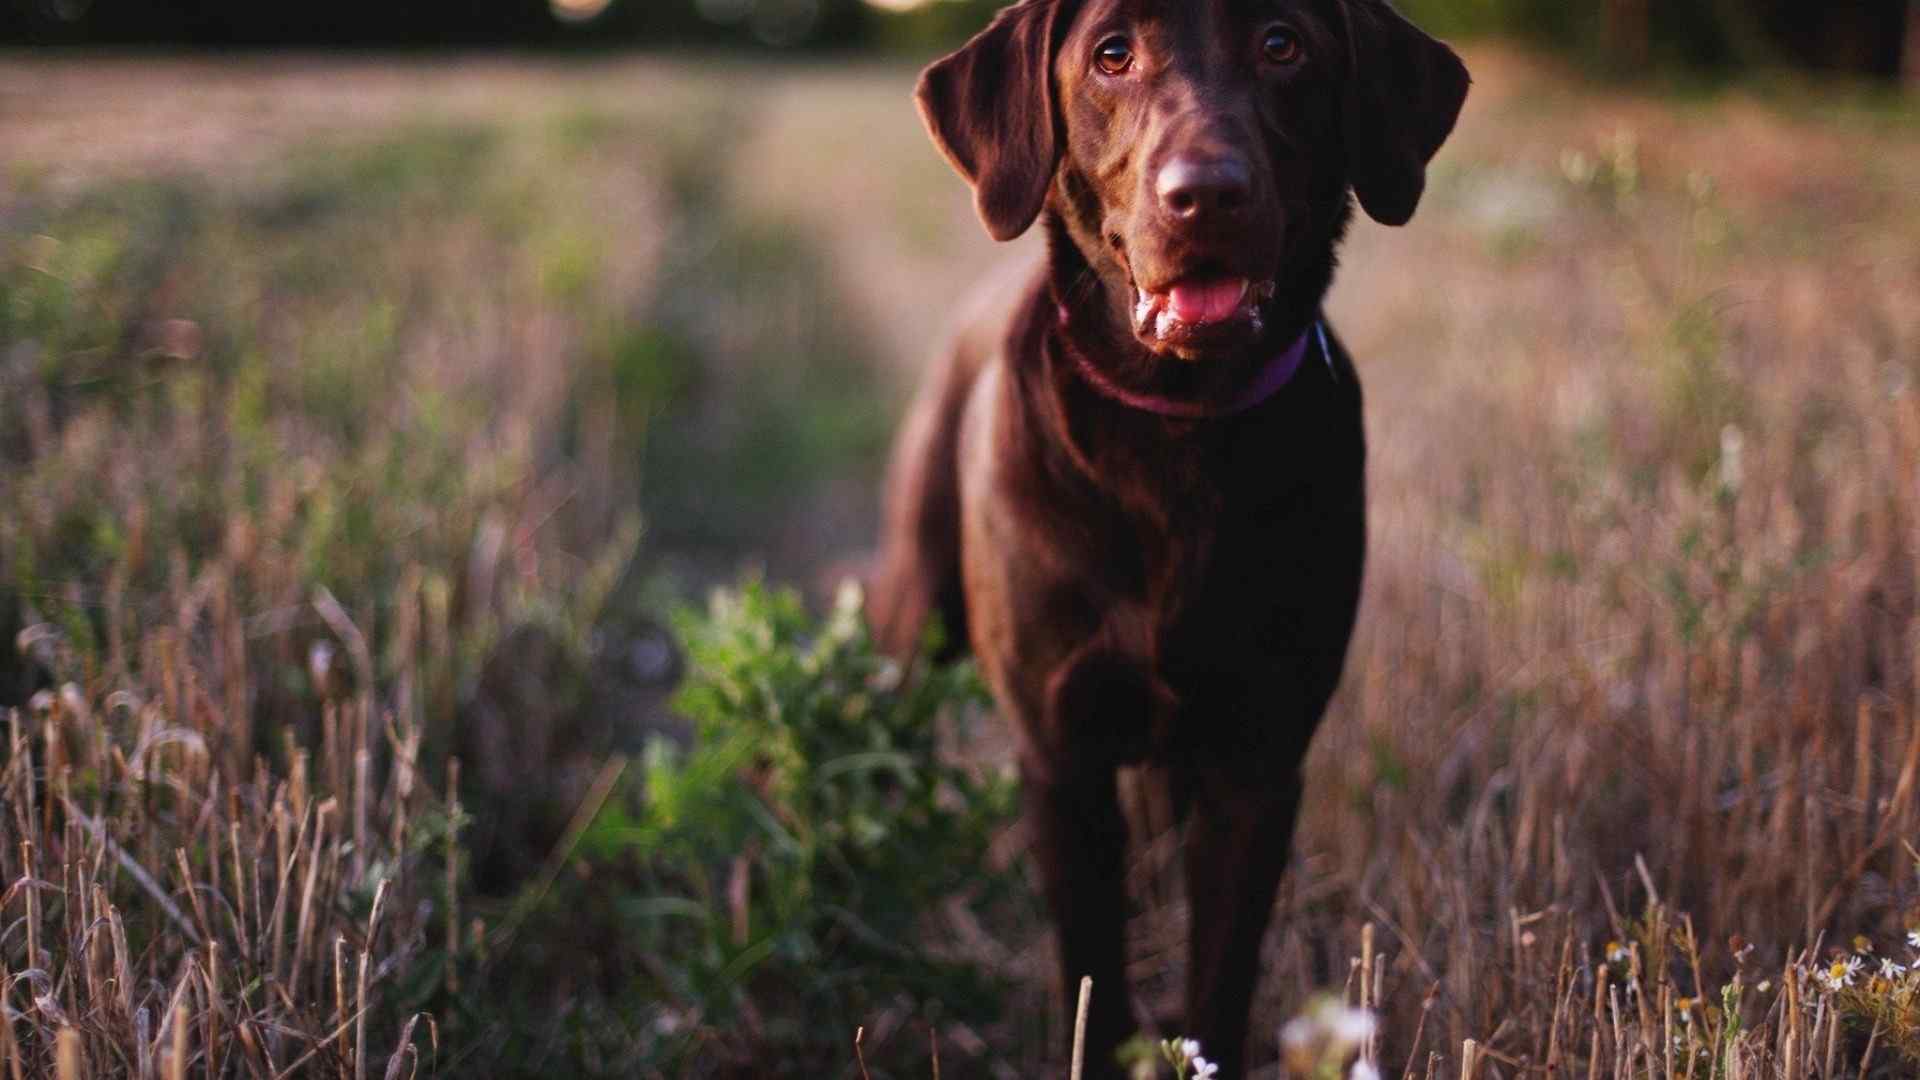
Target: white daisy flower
{"points": [[1839, 973]]}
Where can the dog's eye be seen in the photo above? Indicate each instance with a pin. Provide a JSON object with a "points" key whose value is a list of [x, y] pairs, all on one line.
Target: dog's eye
{"points": [[1282, 46], [1114, 55]]}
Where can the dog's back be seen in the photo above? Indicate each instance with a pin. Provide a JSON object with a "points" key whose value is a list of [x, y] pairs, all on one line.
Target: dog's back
{"points": [[918, 576]]}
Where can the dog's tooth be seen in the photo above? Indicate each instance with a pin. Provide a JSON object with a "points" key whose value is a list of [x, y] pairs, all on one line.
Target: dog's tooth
{"points": [[1144, 308], [1258, 292]]}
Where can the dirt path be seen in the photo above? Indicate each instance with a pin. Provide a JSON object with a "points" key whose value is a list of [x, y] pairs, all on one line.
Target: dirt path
{"points": [[843, 153]]}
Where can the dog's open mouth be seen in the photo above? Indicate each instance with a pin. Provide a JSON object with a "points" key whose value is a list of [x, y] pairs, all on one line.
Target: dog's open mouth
{"points": [[1195, 308]]}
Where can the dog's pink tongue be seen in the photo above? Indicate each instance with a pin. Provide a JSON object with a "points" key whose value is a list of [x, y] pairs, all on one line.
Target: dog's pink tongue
{"points": [[1206, 301]]}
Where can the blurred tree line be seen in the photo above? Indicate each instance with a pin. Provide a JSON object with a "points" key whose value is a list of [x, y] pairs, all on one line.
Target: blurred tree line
{"points": [[1876, 37], [776, 23]]}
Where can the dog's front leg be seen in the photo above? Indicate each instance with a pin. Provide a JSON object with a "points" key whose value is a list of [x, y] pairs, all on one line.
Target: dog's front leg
{"points": [[1092, 702], [1238, 840], [1079, 842]]}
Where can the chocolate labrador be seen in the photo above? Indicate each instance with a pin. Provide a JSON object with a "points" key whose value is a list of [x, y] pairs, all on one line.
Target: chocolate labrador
{"points": [[1137, 490]]}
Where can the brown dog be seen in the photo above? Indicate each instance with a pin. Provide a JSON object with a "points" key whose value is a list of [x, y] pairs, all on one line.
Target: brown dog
{"points": [[1137, 491]]}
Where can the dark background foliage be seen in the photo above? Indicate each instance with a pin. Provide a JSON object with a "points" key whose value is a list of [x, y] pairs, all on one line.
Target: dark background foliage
{"points": [[1867, 36]]}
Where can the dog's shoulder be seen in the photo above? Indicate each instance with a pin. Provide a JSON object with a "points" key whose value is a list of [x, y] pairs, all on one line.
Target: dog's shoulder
{"points": [[988, 311], [994, 332]]}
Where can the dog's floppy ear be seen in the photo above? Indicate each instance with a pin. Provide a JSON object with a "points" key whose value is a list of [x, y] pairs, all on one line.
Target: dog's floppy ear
{"points": [[1404, 93], [989, 107]]}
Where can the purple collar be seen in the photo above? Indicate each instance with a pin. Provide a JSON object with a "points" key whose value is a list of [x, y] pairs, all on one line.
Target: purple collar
{"points": [[1273, 379]]}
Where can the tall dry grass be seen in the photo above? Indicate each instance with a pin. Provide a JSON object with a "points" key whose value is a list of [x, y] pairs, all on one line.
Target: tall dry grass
{"points": [[288, 532], [321, 478], [266, 542], [1630, 734], [176, 918]]}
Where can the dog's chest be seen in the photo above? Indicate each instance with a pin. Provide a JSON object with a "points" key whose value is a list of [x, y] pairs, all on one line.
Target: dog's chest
{"points": [[1161, 586], [1214, 575]]}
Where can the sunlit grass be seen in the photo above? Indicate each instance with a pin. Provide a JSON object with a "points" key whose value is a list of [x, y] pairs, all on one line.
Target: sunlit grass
{"points": [[1627, 746]]}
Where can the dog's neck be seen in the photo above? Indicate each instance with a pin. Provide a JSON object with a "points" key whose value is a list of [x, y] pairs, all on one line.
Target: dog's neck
{"points": [[1270, 380]]}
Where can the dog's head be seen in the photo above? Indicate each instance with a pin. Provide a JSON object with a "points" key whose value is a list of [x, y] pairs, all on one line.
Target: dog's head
{"points": [[1197, 153]]}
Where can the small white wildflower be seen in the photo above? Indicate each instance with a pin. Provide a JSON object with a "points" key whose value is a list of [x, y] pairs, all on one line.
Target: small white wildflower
{"points": [[1890, 970], [1732, 457], [1351, 1027], [1913, 939], [1203, 1069], [1325, 1037], [1839, 973], [850, 596], [1363, 1071], [1182, 1054]]}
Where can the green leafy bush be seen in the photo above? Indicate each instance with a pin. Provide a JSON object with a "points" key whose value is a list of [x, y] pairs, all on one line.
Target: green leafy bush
{"points": [[796, 860]]}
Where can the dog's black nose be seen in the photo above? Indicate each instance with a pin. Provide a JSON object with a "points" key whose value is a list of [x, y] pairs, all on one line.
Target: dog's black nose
{"points": [[1194, 188]]}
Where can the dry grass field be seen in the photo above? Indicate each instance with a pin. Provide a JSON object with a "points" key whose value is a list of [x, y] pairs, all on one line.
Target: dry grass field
{"points": [[359, 421]]}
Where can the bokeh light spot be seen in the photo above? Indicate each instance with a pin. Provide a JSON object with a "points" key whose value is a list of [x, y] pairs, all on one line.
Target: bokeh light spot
{"points": [[579, 10]]}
